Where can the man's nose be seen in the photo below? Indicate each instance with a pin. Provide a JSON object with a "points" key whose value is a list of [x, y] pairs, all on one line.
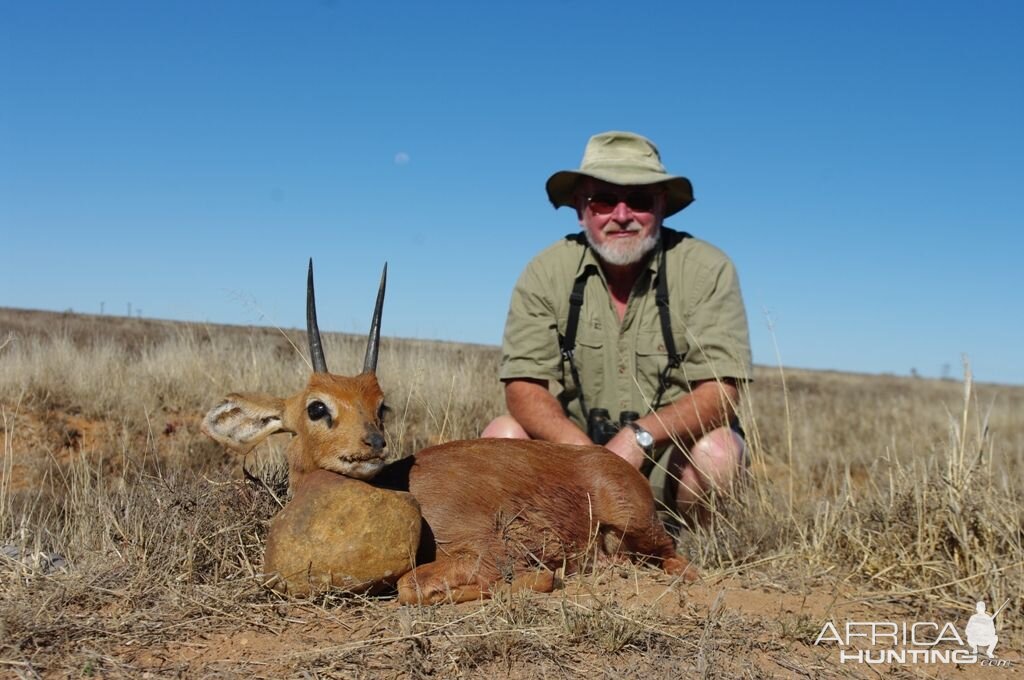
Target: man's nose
{"points": [[622, 214]]}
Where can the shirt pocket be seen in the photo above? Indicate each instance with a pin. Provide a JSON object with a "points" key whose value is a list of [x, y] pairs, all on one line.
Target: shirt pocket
{"points": [[588, 355], [652, 358], [590, 358]]}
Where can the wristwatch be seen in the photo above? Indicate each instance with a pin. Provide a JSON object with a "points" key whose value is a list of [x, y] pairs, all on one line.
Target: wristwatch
{"points": [[644, 439]]}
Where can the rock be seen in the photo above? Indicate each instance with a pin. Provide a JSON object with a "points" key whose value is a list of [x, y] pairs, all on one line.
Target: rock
{"points": [[45, 563], [341, 532]]}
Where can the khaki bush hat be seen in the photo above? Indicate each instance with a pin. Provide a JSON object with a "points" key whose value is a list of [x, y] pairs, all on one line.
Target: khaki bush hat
{"points": [[626, 159]]}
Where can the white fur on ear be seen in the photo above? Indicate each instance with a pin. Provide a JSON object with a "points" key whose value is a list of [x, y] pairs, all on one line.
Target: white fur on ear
{"points": [[242, 421]]}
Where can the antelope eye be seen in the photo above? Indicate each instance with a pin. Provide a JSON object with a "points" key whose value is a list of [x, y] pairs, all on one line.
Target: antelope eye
{"points": [[383, 411], [317, 410]]}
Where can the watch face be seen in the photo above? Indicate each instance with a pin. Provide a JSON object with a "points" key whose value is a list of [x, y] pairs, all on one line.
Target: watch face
{"points": [[645, 439]]}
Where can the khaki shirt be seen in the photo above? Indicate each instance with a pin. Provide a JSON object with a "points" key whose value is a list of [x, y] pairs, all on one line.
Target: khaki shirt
{"points": [[619, 364]]}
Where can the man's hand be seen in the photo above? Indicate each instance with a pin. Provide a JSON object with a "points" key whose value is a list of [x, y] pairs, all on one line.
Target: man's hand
{"points": [[624, 446]]}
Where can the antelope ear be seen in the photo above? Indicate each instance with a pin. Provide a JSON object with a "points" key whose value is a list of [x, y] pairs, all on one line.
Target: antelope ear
{"points": [[242, 421]]}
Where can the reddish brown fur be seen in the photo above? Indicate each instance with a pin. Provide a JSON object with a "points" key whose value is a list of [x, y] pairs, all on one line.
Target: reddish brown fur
{"points": [[499, 508], [501, 512]]}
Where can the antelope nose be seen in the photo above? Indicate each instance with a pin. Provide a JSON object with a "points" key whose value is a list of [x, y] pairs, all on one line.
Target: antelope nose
{"points": [[375, 440]]}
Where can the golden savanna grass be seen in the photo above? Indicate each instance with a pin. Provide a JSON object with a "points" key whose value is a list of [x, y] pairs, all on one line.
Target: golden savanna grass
{"points": [[871, 497]]}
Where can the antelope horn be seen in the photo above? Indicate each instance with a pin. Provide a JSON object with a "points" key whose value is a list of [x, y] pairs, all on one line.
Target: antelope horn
{"points": [[316, 348], [373, 343]]}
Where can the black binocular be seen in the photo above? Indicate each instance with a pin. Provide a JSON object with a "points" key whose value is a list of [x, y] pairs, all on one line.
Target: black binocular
{"points": [[601, 428]]}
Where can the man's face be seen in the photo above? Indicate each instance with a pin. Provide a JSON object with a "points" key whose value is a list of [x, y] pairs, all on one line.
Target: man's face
{"points": [[621, 222]]}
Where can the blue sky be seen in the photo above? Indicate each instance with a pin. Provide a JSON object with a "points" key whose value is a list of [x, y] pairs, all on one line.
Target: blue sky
{"points": [[858, 160]]}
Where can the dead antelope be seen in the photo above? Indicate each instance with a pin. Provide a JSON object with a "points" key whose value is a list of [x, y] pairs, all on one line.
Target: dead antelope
{"points": [[495, 511]]}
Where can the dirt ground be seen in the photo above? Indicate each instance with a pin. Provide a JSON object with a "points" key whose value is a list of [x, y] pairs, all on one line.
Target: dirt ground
{"points": [[640, 625], [163, 539]]}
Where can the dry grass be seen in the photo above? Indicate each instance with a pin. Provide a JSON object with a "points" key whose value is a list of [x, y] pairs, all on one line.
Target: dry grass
{"points": [[892, 495]]}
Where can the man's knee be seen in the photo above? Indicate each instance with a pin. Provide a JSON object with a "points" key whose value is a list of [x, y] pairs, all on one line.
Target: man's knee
{"points": [[718, 456], [712, 466], [723, 445], [504, 427]]}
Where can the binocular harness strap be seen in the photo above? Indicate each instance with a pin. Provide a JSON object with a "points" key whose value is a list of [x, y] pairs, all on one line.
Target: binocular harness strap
{"points": [[664, 315], [567, 342]]}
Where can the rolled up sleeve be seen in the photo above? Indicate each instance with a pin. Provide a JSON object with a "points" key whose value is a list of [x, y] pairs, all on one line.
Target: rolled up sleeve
{"points": [[530, 343], [716, 327]]}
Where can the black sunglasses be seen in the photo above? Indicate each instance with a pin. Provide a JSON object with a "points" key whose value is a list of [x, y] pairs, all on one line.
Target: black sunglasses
{"points": [[604, 202]]}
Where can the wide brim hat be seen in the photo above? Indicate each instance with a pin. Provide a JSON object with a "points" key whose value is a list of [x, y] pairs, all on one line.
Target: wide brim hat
{"points": [[622, 158]]}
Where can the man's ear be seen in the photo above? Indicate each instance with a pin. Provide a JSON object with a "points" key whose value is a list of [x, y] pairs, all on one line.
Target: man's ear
{"points": [[580, 194], [242, 421]]}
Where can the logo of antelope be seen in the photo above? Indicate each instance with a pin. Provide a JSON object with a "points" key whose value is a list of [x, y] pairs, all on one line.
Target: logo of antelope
{"points": [[496, 513]]}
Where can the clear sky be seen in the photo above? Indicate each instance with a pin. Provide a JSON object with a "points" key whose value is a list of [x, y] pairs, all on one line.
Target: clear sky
{"points": [[861, 162]]}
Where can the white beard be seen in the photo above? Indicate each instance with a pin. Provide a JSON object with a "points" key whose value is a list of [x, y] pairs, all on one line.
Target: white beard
{"points": [[626, 251]]}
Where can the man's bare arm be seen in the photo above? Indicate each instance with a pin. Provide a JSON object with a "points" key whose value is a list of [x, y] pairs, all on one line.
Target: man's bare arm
{"points": [[711, 404], [540, 413]]}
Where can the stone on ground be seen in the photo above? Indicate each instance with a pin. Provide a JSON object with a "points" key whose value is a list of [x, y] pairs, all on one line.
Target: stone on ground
{"points": [[342, 533]]}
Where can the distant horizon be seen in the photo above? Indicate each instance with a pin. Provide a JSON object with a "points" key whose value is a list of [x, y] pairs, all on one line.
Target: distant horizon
{"points": [[954, 375]]}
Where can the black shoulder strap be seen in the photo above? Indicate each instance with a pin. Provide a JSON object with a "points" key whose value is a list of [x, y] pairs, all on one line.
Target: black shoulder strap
{"points": [[567, 342], [665, 316]]}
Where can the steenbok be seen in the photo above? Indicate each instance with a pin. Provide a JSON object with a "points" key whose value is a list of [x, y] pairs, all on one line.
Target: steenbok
{"points": [[496, 512]]}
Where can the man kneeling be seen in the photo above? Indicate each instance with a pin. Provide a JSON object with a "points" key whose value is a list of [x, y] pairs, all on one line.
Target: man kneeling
{"points": [[635, 319]]}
